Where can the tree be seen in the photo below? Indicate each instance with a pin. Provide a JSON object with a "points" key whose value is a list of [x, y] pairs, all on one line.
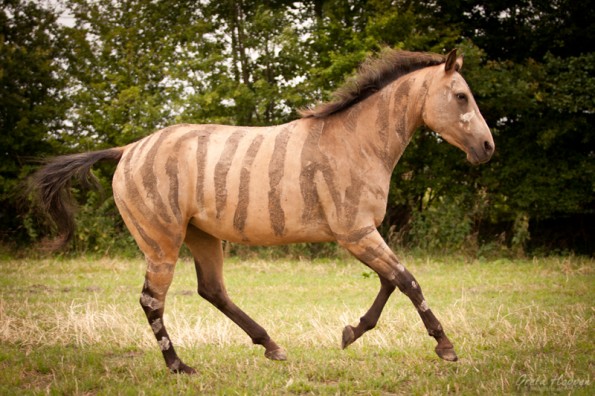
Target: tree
{"points": [[253, 71], [33, 101], [128, 68], [534, 84], [123, 62], [517, 30]]}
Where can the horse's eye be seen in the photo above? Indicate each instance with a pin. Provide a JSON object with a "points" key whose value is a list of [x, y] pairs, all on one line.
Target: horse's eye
{"points": [[462, 97]]}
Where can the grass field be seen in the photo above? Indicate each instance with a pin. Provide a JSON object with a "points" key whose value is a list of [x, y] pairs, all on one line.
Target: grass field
{"points": [[522, 326]]}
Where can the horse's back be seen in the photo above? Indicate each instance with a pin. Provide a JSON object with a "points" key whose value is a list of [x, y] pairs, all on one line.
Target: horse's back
{"points": [[237, 183]]}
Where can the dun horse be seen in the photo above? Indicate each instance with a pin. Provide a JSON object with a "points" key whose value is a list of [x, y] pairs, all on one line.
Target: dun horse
{"points": [[323, 177]]}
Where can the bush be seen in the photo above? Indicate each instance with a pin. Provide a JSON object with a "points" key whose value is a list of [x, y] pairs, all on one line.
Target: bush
{"points": [[445, 225], [101, 230]]}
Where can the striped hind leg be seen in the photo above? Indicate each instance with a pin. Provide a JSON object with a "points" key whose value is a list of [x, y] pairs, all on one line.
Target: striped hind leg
{"points": [[373, 251], [208, 259], [157, 281], [160, 244]]}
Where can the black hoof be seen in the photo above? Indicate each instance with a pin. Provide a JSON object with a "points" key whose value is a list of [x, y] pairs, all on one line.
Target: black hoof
{"points": [[447, 354], [348, 337], [277, 354], [180, 368]]}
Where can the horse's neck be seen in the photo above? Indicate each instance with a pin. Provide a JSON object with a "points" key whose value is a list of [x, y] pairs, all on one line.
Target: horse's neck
{"points": [[387, 120]]}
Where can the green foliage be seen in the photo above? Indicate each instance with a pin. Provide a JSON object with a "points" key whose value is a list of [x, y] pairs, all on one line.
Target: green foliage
{"points": [[123, 64], [520, 233], [544, 142], [444, 226], [128, 68], [100, 229], [32, 101], [296, 251], [534, 86]]}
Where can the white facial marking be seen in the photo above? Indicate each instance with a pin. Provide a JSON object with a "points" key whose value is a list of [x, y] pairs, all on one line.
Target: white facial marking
{"points": [[157, 325], [150, 302], [423, 306], [467, 117], [400, 268], [413, 284], [164, 343]]}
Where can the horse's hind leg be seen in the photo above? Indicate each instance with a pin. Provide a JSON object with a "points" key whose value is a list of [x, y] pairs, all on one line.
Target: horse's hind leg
{"points": [[208, 259], [157, 281], [161, 244]]}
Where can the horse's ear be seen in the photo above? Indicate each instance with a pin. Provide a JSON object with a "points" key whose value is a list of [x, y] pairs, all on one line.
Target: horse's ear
{"points": [[453, 63], [459, 63]]}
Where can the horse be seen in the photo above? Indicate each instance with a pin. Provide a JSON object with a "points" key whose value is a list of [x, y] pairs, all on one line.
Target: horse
{"points": [[324, 176]]}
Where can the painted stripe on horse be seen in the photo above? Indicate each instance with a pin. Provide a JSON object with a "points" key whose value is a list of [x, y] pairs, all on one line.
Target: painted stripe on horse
{"points": [[141, 232], [311, 159], [133, 194], [222, 169], [276, 171], [350, 204], [201, 160], [355, 235], [402, 97], [171, 169], [150, 179], [314, 160], [350, 120], [239, 218], [382, 124]]}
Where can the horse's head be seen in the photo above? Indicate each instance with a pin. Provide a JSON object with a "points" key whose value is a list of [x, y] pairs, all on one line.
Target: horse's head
{"points": [[451, 111]]}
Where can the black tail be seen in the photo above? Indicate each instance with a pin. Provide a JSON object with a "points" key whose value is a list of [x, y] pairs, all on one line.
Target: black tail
{"points": [[51, 189]]}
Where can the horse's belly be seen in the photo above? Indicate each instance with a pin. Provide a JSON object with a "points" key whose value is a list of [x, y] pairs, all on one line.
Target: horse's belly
{"points": [[261, 233]]}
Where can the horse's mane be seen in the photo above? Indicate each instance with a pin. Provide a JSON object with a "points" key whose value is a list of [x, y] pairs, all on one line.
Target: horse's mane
{"points": [[374, 73]]}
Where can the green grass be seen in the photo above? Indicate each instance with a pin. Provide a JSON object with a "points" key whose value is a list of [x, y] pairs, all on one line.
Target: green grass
{"points": [[522, 326]]}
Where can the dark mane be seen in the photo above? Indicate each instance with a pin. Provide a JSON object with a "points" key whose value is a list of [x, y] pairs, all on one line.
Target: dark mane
{"points": [[374, 74]]}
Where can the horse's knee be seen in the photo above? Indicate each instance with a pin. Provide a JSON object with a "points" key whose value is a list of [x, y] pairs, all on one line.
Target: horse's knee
{"points": [[406, 282], [409, 286]]}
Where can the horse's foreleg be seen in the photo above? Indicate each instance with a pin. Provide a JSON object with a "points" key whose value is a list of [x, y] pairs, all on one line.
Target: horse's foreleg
{"points": [[373, 251], [208, 259], [157, 281]]}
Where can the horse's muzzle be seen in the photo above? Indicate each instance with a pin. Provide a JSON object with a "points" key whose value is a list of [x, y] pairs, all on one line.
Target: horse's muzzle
{"points": [[481, 154]]}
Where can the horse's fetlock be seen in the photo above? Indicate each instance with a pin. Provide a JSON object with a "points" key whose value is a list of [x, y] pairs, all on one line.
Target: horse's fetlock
{"points": [[367, 324], [437, 333], [262, 339]]}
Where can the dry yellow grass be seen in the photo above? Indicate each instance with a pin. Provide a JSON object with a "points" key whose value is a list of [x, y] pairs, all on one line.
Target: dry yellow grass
{"points": [[75, 326]]}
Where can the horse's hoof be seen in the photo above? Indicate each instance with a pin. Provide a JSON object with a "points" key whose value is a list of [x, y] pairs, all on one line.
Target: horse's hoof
{"points": [[447, 354], [348, 337], [277, 354], [180, 368]]}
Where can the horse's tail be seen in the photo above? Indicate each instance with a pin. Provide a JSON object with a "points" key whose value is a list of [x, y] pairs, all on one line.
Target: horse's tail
{"points": [[50, 188]]}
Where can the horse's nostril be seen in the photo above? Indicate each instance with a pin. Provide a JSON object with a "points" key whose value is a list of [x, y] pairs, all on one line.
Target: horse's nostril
{"points": [[488, 147]]}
